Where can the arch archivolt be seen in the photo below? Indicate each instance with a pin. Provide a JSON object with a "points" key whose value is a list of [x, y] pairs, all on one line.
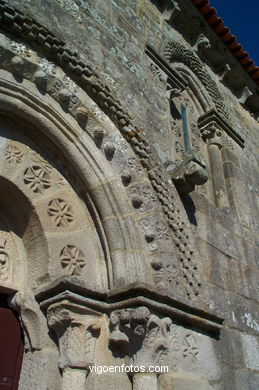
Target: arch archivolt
{"points": [[136, 215], [54, 225], [104, 239], [195, 89], [174, 52]]}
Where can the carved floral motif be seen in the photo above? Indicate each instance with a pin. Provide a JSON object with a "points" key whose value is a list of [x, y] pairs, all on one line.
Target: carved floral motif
{"points": [[60, 212], [21, 49], [48, 67], [183, 349], [72, 259], [4, 259], [143, 197], [13, 154], [37, 179], [155, 231], [166, 275], [190, 347], [162, 231], [42, 162]]}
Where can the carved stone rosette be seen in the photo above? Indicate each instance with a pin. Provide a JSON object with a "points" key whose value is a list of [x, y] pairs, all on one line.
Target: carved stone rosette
{"points": [[144, 338], [77, 329]]}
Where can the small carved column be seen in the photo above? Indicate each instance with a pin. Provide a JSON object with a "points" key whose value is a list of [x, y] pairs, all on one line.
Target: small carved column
{"points": [[76, 328], [143, 337], [214, 139]]}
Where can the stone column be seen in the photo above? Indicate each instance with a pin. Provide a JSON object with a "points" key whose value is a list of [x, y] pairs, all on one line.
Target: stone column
{"points": [[218, 179], [214, 139], [232, 173], [76, 328], [143, 338]]}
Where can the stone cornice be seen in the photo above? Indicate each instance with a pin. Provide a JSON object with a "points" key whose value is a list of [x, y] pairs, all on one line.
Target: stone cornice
{"points": [[138, 294]]}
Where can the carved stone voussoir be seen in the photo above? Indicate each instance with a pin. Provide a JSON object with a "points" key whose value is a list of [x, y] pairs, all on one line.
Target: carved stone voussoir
{"points": [[140, 335], [77, 329]]}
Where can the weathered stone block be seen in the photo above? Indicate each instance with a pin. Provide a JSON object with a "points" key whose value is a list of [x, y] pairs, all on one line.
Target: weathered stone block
{"points": [[182, 382], [251, 351]]}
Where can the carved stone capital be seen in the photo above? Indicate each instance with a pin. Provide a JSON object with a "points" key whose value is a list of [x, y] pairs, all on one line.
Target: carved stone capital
{"points": [[140, 335], [213, 134], [216, 130], [77, 329], [188, 172]]}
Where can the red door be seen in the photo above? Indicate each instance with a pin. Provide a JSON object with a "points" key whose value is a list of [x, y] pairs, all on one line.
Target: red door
{"points": [[11, 347]]}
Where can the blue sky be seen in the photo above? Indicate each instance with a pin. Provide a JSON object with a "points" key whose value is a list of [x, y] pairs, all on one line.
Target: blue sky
{"points": [[242, 18]]}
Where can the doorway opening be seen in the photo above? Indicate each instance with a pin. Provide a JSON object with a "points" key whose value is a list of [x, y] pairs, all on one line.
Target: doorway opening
{"points": [[11, 346]]}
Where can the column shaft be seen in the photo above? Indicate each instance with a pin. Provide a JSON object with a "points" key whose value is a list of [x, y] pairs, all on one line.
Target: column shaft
{"points": [[218, 179]]}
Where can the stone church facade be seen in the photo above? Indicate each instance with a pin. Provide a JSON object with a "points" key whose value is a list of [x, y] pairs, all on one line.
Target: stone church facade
{"points": [[129, 195]]}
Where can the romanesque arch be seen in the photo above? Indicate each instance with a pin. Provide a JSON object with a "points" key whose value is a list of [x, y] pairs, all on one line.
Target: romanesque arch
{"points": [[105, 202], [102, 230]]}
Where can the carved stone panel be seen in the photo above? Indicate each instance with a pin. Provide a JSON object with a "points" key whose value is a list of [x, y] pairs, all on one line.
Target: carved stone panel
{"points": [[11, 274]]}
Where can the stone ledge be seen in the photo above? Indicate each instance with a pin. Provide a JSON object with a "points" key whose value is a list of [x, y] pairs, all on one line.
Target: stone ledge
{"points": [[76, 290]]}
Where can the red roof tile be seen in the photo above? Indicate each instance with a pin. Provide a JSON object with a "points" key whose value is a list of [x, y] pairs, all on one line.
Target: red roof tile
{"points": [[217, 24]]}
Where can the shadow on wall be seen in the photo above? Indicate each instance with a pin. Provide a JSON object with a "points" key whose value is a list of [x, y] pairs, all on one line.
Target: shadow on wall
{"points": [[189, 208]]}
